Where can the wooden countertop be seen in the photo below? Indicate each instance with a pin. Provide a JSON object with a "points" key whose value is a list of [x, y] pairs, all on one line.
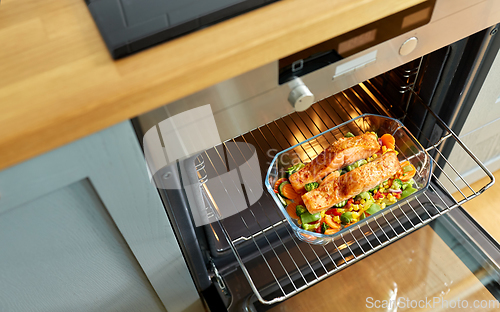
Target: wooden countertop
{"points": [[58, 82]]}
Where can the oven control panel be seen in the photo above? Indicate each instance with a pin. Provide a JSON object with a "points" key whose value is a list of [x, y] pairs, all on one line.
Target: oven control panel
{"points": [[338, 48], [300, 96]]}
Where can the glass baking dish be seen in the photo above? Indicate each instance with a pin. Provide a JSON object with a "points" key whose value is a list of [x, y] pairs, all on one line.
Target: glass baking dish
{"points": [[406, 145]]}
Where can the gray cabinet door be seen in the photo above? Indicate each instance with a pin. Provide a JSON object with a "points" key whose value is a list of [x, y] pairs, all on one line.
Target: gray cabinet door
{"points": [[82, 229]]}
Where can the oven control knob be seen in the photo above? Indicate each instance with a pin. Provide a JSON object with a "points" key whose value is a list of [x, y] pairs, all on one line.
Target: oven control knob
{"points": [[300, 97], [408, 46]]}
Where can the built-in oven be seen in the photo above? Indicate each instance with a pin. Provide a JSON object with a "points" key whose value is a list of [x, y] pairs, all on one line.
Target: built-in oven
{"points": [[209, 153]]}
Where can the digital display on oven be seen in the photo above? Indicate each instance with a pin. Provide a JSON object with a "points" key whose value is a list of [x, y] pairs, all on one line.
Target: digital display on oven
{"points": [[357, 41], [335, 49]]}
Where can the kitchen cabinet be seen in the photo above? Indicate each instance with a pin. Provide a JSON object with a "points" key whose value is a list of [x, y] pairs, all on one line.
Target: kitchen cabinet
{"points": [[82, 229]]}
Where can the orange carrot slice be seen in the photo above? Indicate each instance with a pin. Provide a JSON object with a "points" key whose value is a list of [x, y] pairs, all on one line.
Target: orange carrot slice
{"points": [[388, 141], [299, 200], [406, 176], [331, 231], [289, 192], [290, 209], [331, 223], [310, 237], [279, 182]]}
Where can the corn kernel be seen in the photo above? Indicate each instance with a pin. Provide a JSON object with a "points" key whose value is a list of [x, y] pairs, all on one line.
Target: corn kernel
{"points": [[383, 205], [363, 201]]}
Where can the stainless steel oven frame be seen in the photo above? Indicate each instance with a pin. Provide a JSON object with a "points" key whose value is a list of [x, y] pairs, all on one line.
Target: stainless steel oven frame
{"points": [[255, 98]]}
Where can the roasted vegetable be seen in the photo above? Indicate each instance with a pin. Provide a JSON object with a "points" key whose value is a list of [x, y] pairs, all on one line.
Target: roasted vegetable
{"points": [[346, 217], [324, 227], [286, 190], [374, 190], [350, 168], [311, 186], [374, 208], [363, 195], [332, 224], [397, 184], [408, 171], [341, 204], [331, 231], [295, 168], [357, 164], [360, 163], [310, 227], [280, 187], [408, 191], [282, 200], [291, 209], [299, 210], [407, 184], [306, 217], [388, 141], [278, 183]]}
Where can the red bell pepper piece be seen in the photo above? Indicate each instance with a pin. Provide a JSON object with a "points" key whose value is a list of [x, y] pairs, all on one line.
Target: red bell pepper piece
{"points": [[378, 195], [318, 229], [333, 212]]}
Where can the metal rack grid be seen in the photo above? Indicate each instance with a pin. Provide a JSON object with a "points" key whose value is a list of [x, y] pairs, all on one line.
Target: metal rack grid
{"points": [[285, 265]]}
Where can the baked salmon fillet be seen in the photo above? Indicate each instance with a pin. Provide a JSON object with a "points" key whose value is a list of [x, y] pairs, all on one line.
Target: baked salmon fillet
{"points": [[338, 155], [330, 177], [352, 183]]}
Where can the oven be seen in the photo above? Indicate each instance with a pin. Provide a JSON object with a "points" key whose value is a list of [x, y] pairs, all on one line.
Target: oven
{"points": [[208, 155]]}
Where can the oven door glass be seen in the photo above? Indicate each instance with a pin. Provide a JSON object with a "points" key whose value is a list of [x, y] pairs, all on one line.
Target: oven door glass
{"points": [[449, 264]]}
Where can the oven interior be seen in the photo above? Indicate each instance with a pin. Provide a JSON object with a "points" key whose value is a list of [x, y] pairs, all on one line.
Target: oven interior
{"points": [[256, 250]]}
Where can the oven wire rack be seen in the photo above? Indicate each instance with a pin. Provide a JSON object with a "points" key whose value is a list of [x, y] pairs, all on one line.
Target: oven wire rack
{"points": [[291, 265]]}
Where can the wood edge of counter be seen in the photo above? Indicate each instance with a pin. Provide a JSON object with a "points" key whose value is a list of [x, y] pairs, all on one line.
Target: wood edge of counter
{"points": [[40, 133]]}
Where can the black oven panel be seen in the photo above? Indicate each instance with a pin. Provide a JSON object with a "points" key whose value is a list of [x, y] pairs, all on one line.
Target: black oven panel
{"points": [[338, 48]]}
